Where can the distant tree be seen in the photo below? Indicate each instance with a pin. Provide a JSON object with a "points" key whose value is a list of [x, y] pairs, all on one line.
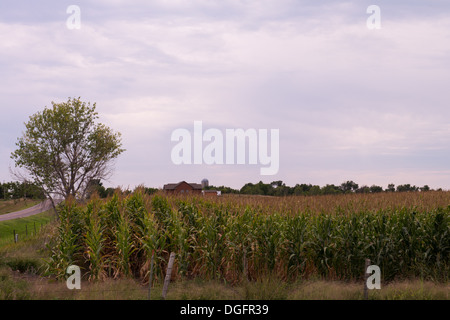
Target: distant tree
{"points": [[363, 189], [96, 186], [63, 149], [406, 188], [222, 189], [259, 188], [278, 183], [282, 190], [263, 188], [278, 188], [14, 190], [331, 189], [4, 191], [391, 187], [18, 190], [248, 188], [302, 189], [376, 189], [315, 190], [348, 186]]}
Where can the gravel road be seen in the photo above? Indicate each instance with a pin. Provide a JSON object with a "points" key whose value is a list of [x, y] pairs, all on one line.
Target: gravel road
{"points": [[43, 206]]}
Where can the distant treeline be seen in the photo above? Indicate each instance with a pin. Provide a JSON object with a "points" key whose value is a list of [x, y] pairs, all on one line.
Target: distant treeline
{"points": [[19, 190], [278, 188], [102, 192]]}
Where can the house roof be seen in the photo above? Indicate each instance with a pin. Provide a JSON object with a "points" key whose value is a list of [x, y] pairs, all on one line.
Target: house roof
{"points": [[172, 186]]}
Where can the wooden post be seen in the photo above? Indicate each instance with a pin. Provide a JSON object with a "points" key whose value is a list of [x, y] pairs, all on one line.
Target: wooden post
{"points": [[245, 265], [168, 275], [150, 277], [14, 235], [366, 290]]}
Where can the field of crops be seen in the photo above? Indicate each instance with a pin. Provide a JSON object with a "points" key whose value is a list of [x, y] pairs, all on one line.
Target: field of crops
{"points": [[236, 237]]}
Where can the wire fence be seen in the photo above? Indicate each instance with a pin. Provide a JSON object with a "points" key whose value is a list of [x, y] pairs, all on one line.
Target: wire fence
{"points": [[21, 231]]}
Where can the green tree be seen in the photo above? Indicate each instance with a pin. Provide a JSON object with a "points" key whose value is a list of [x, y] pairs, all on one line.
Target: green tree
{"points": [[315, 190], [331, 189], [363, 189], [96, 186], [302, 189], [391, 187], [376, 189], [348, 186], [63, 149], [406, 188]]}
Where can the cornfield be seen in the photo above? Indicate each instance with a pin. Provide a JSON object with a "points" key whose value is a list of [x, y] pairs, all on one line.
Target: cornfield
{"points": [[235, 238]]}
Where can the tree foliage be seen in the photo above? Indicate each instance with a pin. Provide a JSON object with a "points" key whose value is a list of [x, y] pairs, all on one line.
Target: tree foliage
{"points": [[279, 188], [18, 190], [63, 149]]}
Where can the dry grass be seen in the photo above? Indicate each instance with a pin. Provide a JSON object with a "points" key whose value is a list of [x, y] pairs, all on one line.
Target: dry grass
{"points": [[15, 285]]}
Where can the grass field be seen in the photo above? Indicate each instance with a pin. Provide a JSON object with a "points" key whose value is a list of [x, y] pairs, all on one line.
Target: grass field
{"points": [[25, 227], [8, 206]]}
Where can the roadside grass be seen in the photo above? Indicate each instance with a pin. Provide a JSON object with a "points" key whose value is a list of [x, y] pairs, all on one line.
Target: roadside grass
{"points": [[26, 227], [22, 261], [8, 206], [17, 285]]}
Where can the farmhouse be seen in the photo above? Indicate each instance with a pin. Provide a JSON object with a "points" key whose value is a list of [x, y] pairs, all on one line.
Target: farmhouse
{"points": [[183, 188]]}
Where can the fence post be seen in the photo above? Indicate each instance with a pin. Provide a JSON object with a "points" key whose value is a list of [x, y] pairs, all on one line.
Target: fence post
{"points": [[150, 276], [366, 290], [168, 275], [245, 263], [16, 237]]}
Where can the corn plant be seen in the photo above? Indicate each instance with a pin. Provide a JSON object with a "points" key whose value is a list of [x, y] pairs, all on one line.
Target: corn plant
{"points": [[151, 240], [94, 248], [296, 245], [124, 247], [233, 238], [65, 247]]}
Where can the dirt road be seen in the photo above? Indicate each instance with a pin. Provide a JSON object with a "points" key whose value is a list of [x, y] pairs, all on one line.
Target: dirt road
{"points": [[43, 206]]}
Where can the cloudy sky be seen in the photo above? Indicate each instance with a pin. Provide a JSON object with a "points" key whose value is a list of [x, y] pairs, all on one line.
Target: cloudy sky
{"points": [[350, 103]]}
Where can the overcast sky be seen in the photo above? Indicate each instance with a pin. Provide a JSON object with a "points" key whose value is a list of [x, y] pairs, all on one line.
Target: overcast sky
{"points": [[350, 103]]}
